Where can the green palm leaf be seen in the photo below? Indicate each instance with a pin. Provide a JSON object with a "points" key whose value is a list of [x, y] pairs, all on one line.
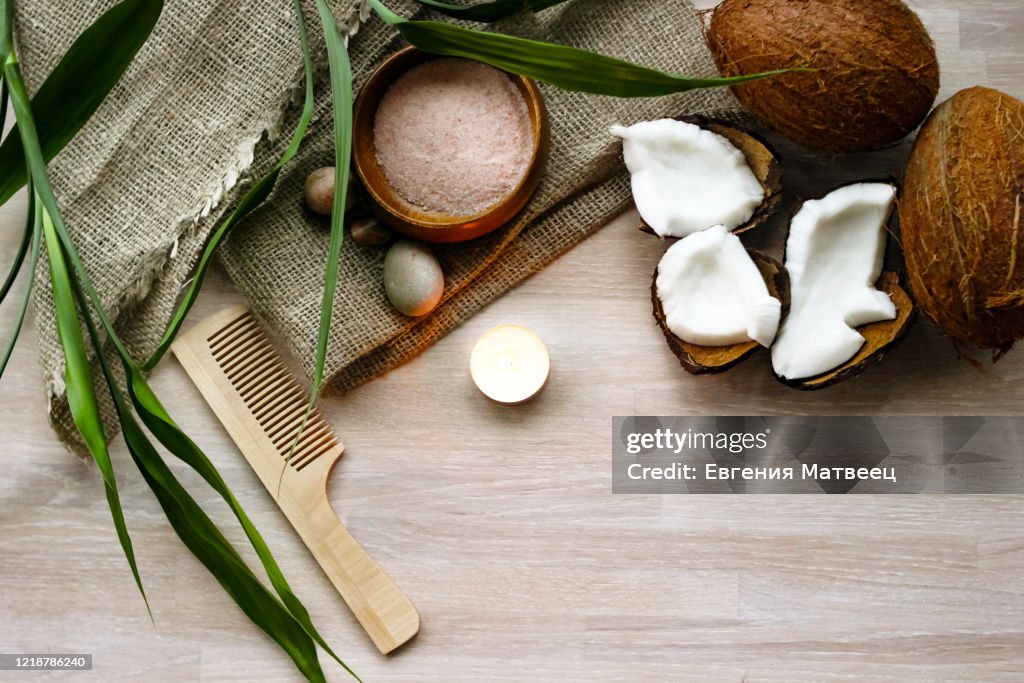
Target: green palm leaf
{"points": [[342, 103], [32, 234], [566, 67], [19, 256], [201, 536], [79, 83], [487, 12], [159, 422], [81, 395]]}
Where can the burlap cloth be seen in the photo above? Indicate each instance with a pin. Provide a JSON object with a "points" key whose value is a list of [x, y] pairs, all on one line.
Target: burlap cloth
{"points": [[211, 100]]}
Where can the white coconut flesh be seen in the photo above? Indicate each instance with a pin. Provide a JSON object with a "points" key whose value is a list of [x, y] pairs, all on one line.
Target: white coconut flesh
{"points": [[686, 179], [834, 256], [712, 293]]}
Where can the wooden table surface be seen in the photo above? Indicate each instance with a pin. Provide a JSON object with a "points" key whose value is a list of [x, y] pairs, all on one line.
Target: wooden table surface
{"points": [[500, 522]]}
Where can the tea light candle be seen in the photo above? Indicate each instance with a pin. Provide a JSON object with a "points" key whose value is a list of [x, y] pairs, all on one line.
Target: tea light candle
{"points": [[510, 364]]}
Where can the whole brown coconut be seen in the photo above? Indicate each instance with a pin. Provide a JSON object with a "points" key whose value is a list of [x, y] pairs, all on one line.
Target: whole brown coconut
{"points": [[875, 72], [961, 218]]}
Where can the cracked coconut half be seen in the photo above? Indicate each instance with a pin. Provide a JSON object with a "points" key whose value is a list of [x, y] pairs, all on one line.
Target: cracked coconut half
{"points": [[716, 302], [844, 311], [691, 174]]}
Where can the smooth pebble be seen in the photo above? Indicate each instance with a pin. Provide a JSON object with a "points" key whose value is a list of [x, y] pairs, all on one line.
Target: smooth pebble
{"points": [[319, 191], [413, 278]]}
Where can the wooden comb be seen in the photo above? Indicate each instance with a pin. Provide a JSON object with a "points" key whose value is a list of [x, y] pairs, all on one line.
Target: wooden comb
{"points": [[256, 398]]}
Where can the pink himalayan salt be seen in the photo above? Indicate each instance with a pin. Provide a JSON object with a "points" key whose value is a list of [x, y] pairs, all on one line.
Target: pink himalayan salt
{"points": [[453, 136]]}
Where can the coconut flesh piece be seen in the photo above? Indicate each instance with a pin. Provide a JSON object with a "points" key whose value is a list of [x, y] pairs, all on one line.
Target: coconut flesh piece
{"points": [[834, 257], [686, 179], [713, 294]]}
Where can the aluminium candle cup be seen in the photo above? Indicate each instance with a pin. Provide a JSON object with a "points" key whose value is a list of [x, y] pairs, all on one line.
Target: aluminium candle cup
{"points": [[393, 209], [510, 364]]}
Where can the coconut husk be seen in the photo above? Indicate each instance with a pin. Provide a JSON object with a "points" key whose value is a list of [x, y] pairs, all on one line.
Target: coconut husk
{"points": [[880, 338], [961, 218], [709, 360], [873, 69], [762, 159]]}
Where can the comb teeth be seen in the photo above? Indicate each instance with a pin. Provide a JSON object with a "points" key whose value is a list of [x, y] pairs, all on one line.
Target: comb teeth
{"points": [[271, 394]]}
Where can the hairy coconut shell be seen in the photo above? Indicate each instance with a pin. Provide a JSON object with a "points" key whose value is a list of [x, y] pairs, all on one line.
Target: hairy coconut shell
{"points": [[708, 360], [961, 218], [880, 338], [762, 159], [875, 74]]}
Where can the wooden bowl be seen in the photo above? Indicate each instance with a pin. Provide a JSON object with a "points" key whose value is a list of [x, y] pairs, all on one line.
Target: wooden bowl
{"points": [[414, 221]]}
